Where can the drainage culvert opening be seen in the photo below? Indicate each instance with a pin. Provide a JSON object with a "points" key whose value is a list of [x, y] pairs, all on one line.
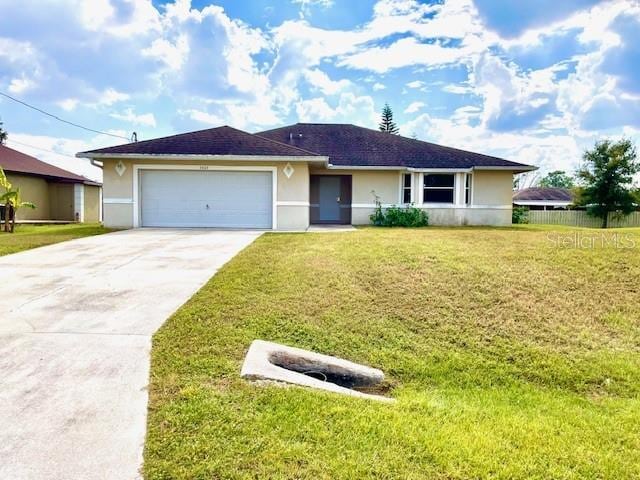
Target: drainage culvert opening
{"points": [[344, 377]]}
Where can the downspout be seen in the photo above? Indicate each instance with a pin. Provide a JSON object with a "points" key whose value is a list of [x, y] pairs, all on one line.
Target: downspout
{"points": [[99, 164]]}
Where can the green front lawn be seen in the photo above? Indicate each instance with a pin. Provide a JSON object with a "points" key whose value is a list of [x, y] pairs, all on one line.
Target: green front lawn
{"points": [[32, 236], [510, 355]]}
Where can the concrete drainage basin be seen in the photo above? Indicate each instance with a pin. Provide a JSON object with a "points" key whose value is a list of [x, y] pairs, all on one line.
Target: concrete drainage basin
{"points": [[280, 363]]}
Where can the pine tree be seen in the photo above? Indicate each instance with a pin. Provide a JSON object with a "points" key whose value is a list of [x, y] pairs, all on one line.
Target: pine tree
{"points": [[386, 123]]}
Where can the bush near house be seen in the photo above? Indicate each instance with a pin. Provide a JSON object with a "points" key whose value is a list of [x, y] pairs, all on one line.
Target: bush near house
{"points": [[520, 215], [399, 216]]}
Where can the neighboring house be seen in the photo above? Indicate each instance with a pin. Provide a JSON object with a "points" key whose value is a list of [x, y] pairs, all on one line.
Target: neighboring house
{"points": [[543, 198], [57, 193], [290, 177]]}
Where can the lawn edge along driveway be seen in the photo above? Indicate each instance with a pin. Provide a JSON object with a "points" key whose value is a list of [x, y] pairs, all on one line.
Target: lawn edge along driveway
{"points": [[75, 337]]}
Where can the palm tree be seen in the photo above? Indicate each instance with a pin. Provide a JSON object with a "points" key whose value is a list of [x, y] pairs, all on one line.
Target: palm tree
{"points": [[6, 186], [13, 202]]}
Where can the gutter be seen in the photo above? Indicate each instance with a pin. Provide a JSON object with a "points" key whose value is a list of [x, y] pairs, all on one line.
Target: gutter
{"points": [[523, 168], [520, 169], [361, 167], [183, 157], [543, 203], [95, 161]]}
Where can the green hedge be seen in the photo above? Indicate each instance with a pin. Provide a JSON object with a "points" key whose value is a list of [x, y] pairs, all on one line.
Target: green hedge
{"points": [[394, 216], [520, 215]]}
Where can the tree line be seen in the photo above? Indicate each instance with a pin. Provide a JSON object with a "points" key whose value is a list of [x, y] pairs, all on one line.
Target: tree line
{"points": [[605, 182]]}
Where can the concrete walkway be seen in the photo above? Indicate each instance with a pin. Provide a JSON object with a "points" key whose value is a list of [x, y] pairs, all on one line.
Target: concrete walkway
{"points": [[76, 321]]}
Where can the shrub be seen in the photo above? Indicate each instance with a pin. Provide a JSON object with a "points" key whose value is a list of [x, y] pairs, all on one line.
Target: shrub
{"points": [[520, 215], [394, 216]]}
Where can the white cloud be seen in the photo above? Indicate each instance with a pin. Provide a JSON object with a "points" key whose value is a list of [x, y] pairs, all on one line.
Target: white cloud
{"points": [[416, 84], [507, 91], [592, 23], [414, 107], [349, 109], [111, 96], [314, 110], [102, 16], [109, 51], [203, 117], [406, 52], [20, 85], [58, 151], [213, 69], [321, 80], [173, 55], [146, 119], [458, 89], [208, 53], [68, 104], [305, 5], [455, 19], [357, 109], [548, 152], [243, 115], [95, 14]]}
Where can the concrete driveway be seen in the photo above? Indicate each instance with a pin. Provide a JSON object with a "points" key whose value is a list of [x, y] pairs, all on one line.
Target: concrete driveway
{"points": [[76, 321]]}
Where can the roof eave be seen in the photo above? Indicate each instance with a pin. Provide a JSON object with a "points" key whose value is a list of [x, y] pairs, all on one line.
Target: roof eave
{"points": [[187, 157], [364, 167], [543, 203], [514, 168], [45, 176]]}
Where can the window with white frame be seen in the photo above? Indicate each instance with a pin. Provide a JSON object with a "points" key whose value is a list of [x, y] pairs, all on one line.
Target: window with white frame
{"points": [[406, 188], [467, 189], [439, 188]]}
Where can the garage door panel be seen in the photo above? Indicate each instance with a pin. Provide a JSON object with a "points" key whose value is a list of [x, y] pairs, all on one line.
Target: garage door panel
{"points": [[209, 198]]}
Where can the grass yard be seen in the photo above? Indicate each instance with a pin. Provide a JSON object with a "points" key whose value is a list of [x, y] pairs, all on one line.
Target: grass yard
{"points": [[511, 355], [32, 236]]}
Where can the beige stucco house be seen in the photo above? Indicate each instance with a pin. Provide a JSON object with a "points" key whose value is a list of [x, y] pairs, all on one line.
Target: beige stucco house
{"points": [[294, 176], [58, 194]]}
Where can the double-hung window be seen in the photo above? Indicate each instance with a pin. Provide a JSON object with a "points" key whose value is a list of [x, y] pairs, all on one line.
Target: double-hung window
{"points": [[406, 188], [439, 188], [467, 189]]}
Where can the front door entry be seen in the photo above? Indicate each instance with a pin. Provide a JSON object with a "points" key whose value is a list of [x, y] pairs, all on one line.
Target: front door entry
{"points": [[330, 199]]}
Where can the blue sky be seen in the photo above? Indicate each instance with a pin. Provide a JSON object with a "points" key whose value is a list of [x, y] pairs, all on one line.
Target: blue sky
{"points": [[536, 82]]}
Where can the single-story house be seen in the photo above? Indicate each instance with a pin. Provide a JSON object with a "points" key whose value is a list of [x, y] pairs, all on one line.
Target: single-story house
{"points": [[294, 176], [57, 194], [543, 198]]}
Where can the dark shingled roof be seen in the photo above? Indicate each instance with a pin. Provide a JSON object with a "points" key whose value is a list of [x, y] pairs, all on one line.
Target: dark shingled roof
{"points": [[533, 194], [350, 145], [13, 161], [344, 144], [213, 141]]}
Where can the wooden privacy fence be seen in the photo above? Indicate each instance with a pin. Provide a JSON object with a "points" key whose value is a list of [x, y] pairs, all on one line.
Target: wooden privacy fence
{"points": [[579, 218]]}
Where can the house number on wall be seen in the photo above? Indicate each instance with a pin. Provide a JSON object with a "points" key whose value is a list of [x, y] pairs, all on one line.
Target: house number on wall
{"points": [[204, 167]]}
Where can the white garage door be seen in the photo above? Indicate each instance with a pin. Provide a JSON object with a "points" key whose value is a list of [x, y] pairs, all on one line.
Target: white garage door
{"points": [[206, 198]]}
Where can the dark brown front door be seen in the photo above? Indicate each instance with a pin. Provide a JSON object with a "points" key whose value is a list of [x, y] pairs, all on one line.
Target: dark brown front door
{"points": [[330, 199]]}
